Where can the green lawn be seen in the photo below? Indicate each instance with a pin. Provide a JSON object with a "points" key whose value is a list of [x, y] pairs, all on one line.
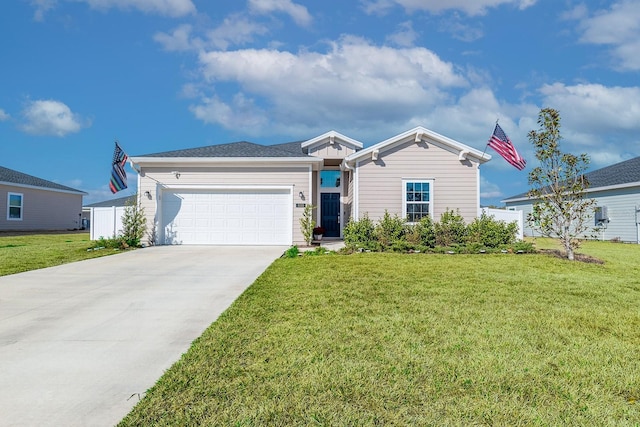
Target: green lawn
{"points": [[389, 339], [33, 251]]}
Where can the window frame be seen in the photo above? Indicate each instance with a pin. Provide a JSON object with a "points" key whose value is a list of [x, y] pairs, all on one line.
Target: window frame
{"points": [[405, 202], [9, 206]]}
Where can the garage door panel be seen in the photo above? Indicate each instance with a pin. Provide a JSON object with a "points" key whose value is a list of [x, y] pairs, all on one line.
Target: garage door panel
{"points": [[227, 217]]}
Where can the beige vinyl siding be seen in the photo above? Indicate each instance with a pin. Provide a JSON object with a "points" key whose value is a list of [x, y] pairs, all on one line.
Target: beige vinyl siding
{"points": [[336, 150], [42, 209], [455, 183], [194, 177]]}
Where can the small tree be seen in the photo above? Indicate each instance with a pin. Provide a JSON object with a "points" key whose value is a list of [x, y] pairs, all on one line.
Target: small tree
{"points": [[134, 222], [560, 208], [307, 224]]}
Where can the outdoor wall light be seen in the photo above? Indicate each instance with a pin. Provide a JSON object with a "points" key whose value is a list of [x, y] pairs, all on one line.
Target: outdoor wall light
{"points": [[176, 174], [301, 195], [148, 194]]}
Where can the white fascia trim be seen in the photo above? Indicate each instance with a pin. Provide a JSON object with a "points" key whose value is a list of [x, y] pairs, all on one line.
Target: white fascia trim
{"points": [[332, 134], [310, 186], [356, 189], [198, 187], [252, 161], [589, 190], [424, 133], [35, 187], [478, 190]]}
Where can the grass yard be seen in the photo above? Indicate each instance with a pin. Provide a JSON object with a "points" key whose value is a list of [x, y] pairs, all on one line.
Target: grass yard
{"points": [[389, 339], [33, 251]]}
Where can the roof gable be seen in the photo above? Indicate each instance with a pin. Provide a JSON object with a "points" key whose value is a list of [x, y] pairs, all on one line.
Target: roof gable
{"points": [[12, 177], [419, 134], [332, 136]]}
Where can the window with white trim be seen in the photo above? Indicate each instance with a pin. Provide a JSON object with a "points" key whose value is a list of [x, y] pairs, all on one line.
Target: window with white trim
{"points": [[416, 199], [14, 206]]}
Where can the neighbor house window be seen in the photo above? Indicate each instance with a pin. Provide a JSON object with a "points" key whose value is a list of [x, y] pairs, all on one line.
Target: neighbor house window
{"points": [[416, 199], [14, 206]]}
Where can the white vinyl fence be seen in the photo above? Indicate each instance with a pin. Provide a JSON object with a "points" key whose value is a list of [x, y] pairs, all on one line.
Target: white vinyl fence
{"points": [[106, 222], [507, 216]]}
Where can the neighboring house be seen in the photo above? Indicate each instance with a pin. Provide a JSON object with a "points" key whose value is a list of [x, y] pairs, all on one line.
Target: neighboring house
{"points": [[616, 190], [104, 219], [248, 194], [28, 203]]}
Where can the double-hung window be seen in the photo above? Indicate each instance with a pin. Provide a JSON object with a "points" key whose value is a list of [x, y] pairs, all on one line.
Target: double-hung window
{"points": [[416, 199], [14, 206]]}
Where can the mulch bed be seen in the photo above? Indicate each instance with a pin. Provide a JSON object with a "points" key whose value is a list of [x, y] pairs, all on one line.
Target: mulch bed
{"points": [[578, 257]]}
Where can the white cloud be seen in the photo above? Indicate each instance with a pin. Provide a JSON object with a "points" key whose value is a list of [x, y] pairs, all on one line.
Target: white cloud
{"points": [[172, 8], [618, 27], [353, 82], [49, 117], [235, 30], [298, 13], [178, 40], [489, 190], [241, 114], [4, 115], [594, 109], [405, 36], [469, 7], [42, 6]]}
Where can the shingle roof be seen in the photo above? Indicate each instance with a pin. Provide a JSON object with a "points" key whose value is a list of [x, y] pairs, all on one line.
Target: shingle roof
{"points": [[618, 174], [14, 177], [236, 149], [121, 201]]}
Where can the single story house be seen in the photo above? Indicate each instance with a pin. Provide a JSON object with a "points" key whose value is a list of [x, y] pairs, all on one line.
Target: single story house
{"points": [[249, 194], [35, 204], [616, 190]]}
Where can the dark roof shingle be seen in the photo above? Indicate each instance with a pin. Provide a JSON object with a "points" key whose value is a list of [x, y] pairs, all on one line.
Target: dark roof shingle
{"points": [[121, 201], [14, 177], [618, 174], [235, 149]]}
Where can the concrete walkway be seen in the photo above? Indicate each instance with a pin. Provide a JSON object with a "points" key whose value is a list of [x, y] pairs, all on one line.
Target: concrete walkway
{"points": [[80, 343]]}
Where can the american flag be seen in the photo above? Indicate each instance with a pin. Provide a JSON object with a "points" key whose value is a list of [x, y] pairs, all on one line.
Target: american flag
{"points": [[118, 175], [500, 142]]}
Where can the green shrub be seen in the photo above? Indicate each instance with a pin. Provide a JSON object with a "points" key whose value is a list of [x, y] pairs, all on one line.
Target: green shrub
{"points": [[389, 230], [360, 233], [426, 231], [113, 243], [292, 252], [522, 246], [451, 230], [488, 231]]}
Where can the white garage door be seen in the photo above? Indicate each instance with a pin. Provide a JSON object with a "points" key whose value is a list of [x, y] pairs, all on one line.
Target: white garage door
{"points": [[227, 217]]}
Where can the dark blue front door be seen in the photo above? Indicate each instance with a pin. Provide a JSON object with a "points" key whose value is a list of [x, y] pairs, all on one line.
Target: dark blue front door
{"points": [[330, 215]]}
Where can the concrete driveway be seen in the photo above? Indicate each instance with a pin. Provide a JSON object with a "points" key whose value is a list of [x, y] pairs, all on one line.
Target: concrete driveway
{"points": [[81, 343]]}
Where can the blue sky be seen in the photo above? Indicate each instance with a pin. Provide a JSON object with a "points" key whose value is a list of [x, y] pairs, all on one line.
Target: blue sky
{"points": [[168, 74]]}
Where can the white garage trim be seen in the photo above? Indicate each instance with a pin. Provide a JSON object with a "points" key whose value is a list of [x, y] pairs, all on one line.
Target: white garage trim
{"points": [[225, 214]]}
